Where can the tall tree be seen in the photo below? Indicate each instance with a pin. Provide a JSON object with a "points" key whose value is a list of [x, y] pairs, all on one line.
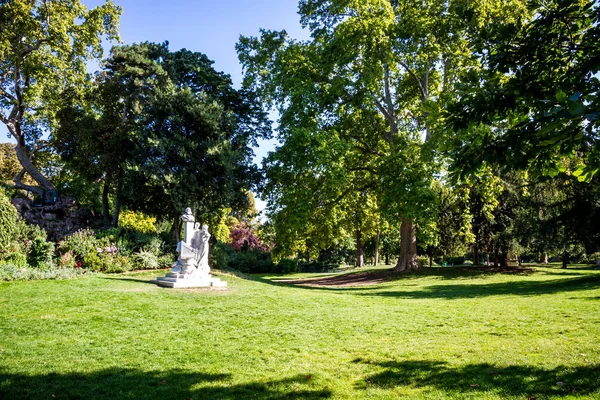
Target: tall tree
{"points": [[165, 131], [389, 65], [43, 49]]}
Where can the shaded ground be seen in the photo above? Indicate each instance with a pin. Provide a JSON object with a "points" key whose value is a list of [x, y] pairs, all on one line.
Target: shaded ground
{"points": [[352, 279], [376, 277]]}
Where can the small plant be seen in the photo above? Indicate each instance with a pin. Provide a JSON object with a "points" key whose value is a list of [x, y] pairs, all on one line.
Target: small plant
{"points": [[19, 259], [145, 260], [97, 262], [119, 264], [41, 253], [165, 261], [66, 260]]}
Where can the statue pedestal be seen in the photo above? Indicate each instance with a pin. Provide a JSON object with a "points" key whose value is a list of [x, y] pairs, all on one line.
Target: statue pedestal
{"points": [[175, 280]]}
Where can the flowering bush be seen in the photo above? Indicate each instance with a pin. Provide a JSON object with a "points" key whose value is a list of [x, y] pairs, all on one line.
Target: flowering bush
{"points": [[80, 243], [243, 238], [137, 221]]}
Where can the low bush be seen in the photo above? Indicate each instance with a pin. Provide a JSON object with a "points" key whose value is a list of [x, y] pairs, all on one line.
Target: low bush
{"points": [[145, 260], [41, 254], [287, 266], [18, 259], [97, 262], [81, 243], [315, 266], [137, 221], [117, 264], [254, 261], [12, 272]]}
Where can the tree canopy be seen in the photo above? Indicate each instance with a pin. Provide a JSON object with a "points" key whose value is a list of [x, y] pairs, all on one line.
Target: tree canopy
{"points": [[43, 49]]}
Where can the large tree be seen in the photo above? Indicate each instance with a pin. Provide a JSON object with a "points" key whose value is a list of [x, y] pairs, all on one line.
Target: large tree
{"points": [[43, 49], [389, 66], [164, 131]]}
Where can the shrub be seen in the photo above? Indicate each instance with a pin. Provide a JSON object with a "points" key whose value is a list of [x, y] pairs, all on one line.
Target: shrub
{"points": [[111, 235], [9, 223], [165, 261], [12, 272], [137, 221], [18, 259], [314, 266], [41, 254], [97, 262], [287, 266], [66, 260], [145, 260], [81, 243], [424, 261], [252, 261], [220, 254], [118, 264]]}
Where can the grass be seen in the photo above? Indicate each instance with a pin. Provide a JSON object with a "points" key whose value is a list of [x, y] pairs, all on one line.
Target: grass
{"points": [[445, 333]]}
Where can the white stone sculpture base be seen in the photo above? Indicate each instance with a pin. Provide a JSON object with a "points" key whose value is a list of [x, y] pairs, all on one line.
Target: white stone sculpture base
{"points": [[174, 280]]}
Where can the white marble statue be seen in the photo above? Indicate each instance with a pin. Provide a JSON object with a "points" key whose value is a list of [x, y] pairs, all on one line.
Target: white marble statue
{"points": [[200, 245], [191, 268]]}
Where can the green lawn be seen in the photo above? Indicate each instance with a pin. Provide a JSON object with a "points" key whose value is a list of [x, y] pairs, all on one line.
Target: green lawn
{"points": [[446, 333]]}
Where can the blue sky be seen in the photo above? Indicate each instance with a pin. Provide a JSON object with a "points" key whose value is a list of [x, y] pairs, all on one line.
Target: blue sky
{"points": [[208, 26]]}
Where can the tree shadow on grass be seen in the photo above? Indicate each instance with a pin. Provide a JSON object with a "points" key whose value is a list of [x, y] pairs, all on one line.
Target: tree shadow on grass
{"points": [[515, 381], [120, 383], [518, 288]]}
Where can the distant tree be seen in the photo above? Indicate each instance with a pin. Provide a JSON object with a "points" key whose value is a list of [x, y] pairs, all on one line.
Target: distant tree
{"points": [[43, 49]]}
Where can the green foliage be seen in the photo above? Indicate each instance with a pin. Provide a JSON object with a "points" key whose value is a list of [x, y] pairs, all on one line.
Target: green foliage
{"points": [[546, 112], [219, 255], [14, 272], [41, 254], [119, 263], [145, 260], [287, 266], [251, 261], [9, 223], [97, 262], [137, 221], [81, 243], [196, 127], [17, 259], [44, 46]]}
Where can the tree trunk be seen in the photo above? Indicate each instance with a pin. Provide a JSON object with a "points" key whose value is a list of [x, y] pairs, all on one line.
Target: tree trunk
{"points": [[565, 259], [176, 228], [360, 261], [430, 261], [475, 254], [118, 195], [387, 258], [377, 247], [105, 205], [496, 258], [408, 260], [504, 259], [21, 151], [544, 257]]}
